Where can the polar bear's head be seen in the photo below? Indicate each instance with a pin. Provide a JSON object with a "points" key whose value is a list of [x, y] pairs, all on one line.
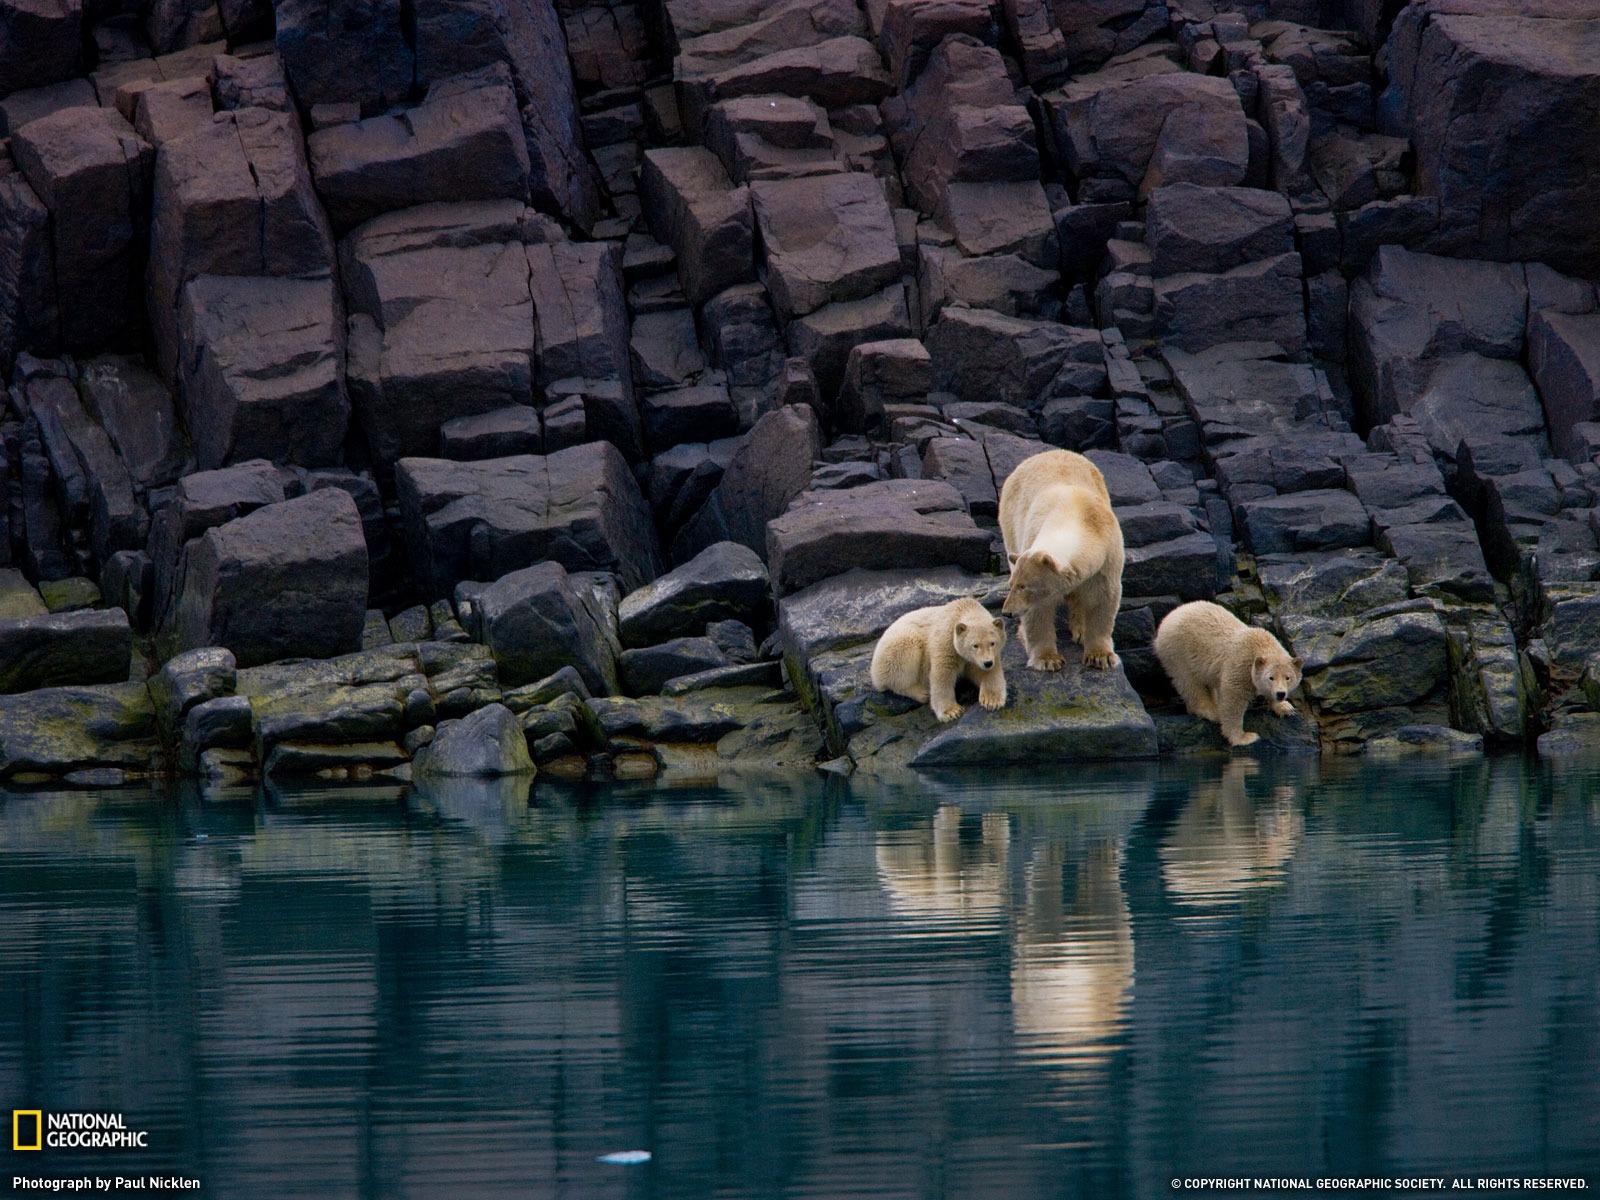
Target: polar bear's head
{"points": [[1036, 578], [1275, 675], [980, 639]]}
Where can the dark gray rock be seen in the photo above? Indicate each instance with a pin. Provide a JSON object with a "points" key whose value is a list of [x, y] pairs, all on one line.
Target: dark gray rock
{"points": [[287, 580], [824, 239], [1468, 395], [826, 336], [1495, 99], [536, 621], [986, 356], [688, 414], [137, 412], [853, 608], [1564, 356], [1191, 228], [877, 373], [1259, 301], [231, 198], [769, 469], [580, 507], [692, 206], [487, 742], [259, 370], [40, 43], [29, 315], [92, 172], [499, 434], [224, 722], [665, 349], [64, 648], [463, 142], [188, 679], [880, 526], [726, 581], [1380, 663], [645, 670], [1314, 520]]}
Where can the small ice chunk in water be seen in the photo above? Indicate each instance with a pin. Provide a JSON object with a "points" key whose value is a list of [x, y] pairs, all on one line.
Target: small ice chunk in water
{"points": [[626, 1158]]}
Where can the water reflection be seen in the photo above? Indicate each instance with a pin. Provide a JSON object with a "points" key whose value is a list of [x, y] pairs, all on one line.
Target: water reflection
{"points": [[1228, 841], [1015, 986]]}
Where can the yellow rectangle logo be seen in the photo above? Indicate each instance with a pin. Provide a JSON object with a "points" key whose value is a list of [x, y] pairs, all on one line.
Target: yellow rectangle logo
{"points": [[19, 1122]]}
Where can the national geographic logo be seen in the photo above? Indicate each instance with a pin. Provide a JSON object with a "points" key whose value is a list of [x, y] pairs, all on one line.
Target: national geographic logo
{"points": [[35, 1129]]}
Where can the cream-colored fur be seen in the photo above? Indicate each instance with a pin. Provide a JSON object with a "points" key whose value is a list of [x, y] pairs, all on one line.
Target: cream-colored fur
{"points": [[1219, 664], [924, 652], [1064, 544]]}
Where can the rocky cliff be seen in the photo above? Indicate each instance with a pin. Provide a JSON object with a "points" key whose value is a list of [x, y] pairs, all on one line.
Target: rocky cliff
{"points": [[626, 368]]}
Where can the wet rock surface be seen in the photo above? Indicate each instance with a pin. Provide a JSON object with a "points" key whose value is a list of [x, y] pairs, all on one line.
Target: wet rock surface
{"points": [[369, 367]]}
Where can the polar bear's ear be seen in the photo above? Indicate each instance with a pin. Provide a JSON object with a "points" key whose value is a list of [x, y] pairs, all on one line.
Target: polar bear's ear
{"points": [[999, 624], [1295, 662], [1049, 563], [961, 628], [1012, 559], [1261, 661]]}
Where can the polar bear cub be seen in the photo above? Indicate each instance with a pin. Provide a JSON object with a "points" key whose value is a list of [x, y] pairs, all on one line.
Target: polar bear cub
{"points": [[924, 652], [1064, 544], [1219, 664]]}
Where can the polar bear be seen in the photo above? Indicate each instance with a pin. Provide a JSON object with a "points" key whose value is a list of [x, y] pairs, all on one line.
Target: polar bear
{"points": [[1219, 664], [924, 652], [1063, 543]]}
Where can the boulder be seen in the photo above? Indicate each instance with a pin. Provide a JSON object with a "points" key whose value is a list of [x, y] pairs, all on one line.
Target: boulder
{"points": [[172, 109], [692, 205], [1564, 356], [726, 581], [497, 434], [664, 348], [825, 337], [92, 172], [487, 742], [1259, 301], [29, 315], [1410, 308], [836, 72], [1380, 663], [580, 507], [583, 330], [683, 414], [288, 580], [138, 414], [231, 198], [442, 322], [463, 142], [876, 373], [646, 670], [1208, 229], [189, 679], [41, 42], [895, 523], [1497, 99], [256, 82], [225, 722], [1311, 520], [825, 238], [259, 374], [345, 50], [1468, 395], [536, 621], [769, 469], [57, 730], [64, 648], [985, 356]]}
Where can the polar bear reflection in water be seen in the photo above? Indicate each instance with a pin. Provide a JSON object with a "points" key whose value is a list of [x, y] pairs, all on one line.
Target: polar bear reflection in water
{"points": [[1058, 896], [1058, 899], [1225, 844]]}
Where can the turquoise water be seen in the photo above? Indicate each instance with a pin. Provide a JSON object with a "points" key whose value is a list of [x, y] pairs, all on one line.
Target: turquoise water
{"points": [[1080, 983]]}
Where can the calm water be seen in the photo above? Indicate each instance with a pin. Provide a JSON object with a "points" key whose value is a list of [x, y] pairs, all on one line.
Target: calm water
{"points": [[952, 987]]}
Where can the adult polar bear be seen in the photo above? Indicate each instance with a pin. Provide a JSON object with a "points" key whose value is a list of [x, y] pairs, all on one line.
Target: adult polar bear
{"points": [[1064, 544]]}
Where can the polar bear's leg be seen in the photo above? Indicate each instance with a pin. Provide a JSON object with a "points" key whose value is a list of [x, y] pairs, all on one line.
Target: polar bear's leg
{"points": [[1039, 638], [1233, 698], [1094, 608], [942, 677]]}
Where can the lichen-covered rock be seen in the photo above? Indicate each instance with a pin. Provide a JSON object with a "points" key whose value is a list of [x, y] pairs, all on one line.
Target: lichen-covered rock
{"points": [[191, 678], [57, 730]]}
